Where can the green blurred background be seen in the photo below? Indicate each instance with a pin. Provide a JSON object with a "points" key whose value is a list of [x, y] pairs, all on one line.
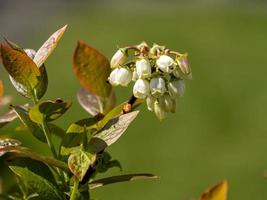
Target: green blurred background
{"points": [[219, 130]]}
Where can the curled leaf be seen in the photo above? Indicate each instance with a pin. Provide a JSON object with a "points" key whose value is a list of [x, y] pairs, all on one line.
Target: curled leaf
{"points": [[48, 47], [119, 179], [92, 69], [217, 192]]}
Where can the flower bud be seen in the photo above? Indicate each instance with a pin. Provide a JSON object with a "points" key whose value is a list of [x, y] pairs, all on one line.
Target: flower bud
{"points": [[118, 58], [159, 111], [120, 76], [150, 103], [167, 103], [183, 64], [176, 73], [157, 87], [165, 63], [176, 88], [143, 68], [141, 89], [156, 49]]}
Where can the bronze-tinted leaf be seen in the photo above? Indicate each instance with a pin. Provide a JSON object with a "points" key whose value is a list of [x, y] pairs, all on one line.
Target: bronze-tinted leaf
{"points": [[92, 69], [217, 192], [47, 48], [119, 179], [43, 81], [21, 67], [95, 104]]}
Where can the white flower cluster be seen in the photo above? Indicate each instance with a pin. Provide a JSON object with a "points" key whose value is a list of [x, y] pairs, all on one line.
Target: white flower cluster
{"points": [[159, 75]]}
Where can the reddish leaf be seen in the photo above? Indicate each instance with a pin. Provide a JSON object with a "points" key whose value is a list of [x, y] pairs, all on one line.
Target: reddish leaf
{"points": [[1, 88], [92, 69], [22, 68]]}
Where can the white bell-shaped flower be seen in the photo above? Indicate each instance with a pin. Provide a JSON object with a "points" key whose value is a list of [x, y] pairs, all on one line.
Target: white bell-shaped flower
{"points": [[157, 86], [159, 111], [113, 78], [165, 63], [135, 76], [176, 88], [118, 59], [120, 76], [141, 89], [143, 68], [124, 76], [167, 103], [150, 101]]}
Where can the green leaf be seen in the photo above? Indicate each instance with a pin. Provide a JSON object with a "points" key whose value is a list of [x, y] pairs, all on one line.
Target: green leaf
{"points": [[55, 130], [22, 69], [92, 69], [43, 83], [105, 162], [115, 112], [79, 162], [15, 151], [35, 166], [111, 132], [121, 178], [48, 111], [82, 125], [75, 135], [95, 104], [41, 87], [34, 128], [35, 181], [48, 47]]}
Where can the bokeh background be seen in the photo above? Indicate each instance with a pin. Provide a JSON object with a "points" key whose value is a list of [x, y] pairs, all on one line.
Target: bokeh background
{"points": [[219, 131]]}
